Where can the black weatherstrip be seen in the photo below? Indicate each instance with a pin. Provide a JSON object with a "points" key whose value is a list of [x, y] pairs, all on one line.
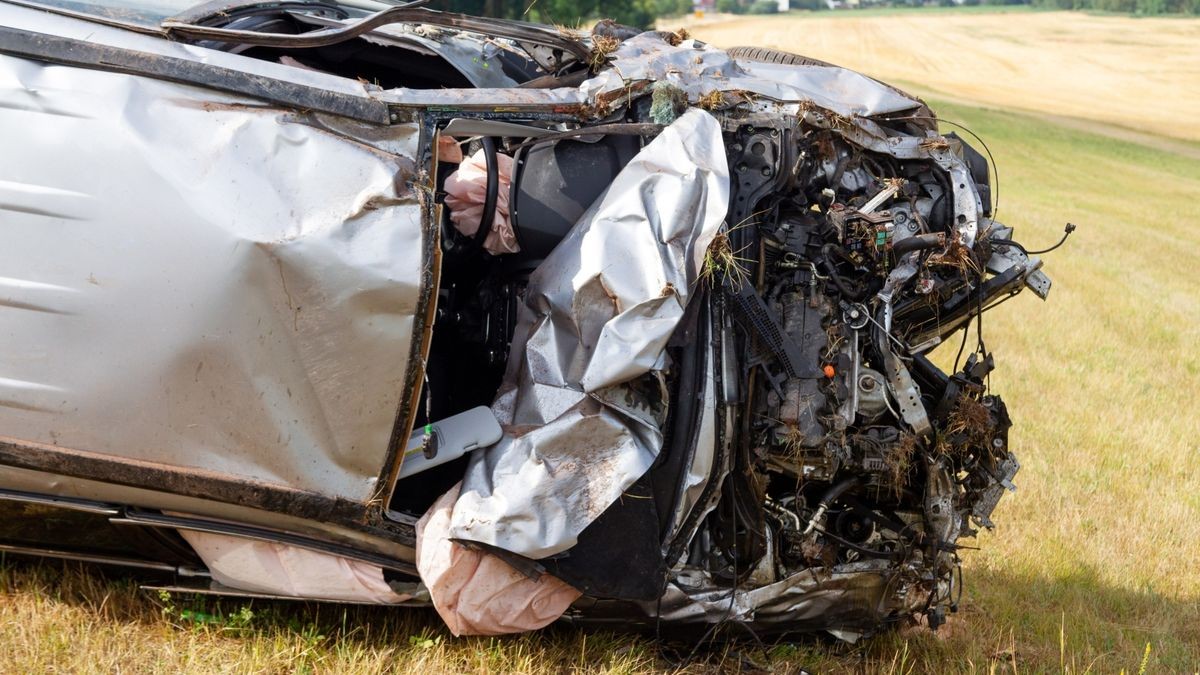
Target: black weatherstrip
{"points": [[199, 483], [172, 522], [71, 52]]}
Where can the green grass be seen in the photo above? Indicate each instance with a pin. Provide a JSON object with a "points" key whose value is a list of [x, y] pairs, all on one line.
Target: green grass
{"points": [[1095, 557]]}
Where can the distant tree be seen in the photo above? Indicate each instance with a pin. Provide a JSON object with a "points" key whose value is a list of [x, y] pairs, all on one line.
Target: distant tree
{"points": [[642, 13], [664, 8], [639, 13]]}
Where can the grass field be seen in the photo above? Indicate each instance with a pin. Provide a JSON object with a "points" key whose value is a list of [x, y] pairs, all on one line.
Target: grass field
{"points": [[1096, 558]]}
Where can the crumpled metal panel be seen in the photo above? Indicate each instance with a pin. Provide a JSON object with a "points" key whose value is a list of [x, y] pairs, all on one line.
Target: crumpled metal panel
{"points": [[698, 69], [214, 284], [476, 59], [582, 423], [845, 599]]}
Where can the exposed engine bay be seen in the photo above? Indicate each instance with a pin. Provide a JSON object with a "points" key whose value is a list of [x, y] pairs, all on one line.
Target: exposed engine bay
{"points": [[853, 451]]}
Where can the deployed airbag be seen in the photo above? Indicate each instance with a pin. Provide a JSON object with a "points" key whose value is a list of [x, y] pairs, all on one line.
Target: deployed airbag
{"points": [[466, 193], [279, 569], [477, 593]]}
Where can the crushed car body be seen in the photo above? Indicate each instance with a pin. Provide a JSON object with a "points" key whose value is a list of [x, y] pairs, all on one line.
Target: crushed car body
{"points": [[374, 303]]}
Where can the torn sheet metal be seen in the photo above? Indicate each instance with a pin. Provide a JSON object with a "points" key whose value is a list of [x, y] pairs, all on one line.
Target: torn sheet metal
{"points": [[200, 288], [698, 68], [848, 600], [289, 571], [596, 315], [477, 593], [478, 60]]}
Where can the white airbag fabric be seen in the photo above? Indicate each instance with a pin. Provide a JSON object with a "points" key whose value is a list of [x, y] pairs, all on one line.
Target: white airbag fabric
{"points": [[466, 193], [279, 569]]}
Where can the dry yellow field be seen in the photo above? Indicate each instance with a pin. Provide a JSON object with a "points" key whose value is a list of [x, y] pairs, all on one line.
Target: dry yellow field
{"points": [[1141, 74]]}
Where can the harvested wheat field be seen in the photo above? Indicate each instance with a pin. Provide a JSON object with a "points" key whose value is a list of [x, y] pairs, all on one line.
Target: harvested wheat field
{"points": [[1140, 74], [1093, 566]]}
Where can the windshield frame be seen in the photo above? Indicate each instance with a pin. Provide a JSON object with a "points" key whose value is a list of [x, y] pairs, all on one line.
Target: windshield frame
{"points": [[152, 24]]}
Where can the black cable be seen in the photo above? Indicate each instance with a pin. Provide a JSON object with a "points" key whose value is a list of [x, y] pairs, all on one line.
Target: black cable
{"points": [[1066, 233], [861, 549], [857, 296], [1009, 242], [995, 167], [837, 490], [979, 319], [962, 345]]}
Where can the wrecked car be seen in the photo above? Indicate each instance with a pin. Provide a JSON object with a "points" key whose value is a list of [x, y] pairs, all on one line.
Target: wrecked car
{"points": [[373, 303]]}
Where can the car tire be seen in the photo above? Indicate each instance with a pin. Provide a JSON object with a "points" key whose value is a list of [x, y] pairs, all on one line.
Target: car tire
{"points": [[767, 55]]}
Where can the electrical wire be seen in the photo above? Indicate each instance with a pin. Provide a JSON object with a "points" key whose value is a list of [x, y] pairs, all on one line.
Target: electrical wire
{"points": [[979, 318], [962, 345]]}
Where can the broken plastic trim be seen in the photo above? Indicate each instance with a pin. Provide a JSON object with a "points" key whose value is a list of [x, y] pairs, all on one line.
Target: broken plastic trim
{"points": [[408, 13]]}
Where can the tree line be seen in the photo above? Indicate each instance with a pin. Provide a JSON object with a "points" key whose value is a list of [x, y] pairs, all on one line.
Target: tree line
{"points": [[1144, 7], [1139, 7], [642, 13], [639, 13]]}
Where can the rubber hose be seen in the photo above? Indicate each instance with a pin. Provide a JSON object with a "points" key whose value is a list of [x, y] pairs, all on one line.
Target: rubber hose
{"points": [[837, 490], [835, 277], [918, 242]]}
